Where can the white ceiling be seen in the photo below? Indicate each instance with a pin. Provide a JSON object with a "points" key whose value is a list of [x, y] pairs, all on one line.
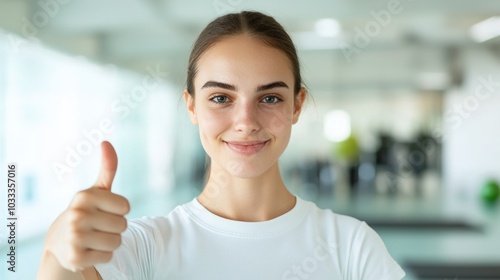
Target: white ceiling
{"points": [[137, 33]]}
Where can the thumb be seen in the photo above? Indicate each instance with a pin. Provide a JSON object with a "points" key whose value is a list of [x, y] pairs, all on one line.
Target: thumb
{"points": [[109, 163]]}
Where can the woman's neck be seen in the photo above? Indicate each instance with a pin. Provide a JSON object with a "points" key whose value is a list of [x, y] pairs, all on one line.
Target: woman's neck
{"points": [[246, 199]]}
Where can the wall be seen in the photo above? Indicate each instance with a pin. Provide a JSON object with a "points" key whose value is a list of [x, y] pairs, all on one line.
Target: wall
{"points": [[471, 151]]}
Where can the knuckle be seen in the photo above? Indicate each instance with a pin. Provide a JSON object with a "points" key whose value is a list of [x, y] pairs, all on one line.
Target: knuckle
{"points": [[75, 217], [82, 197], [75, 258], [75, 242], [77, 238]]}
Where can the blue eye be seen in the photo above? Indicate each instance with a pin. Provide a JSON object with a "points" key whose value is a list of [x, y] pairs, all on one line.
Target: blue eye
{"points": [[219, 99], [272, 99]]}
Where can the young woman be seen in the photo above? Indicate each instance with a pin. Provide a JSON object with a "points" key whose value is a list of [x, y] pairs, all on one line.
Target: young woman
{"points": [[244, 92]]}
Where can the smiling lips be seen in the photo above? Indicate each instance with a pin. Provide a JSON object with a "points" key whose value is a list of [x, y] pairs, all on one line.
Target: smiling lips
{"points": [[246, 147]]}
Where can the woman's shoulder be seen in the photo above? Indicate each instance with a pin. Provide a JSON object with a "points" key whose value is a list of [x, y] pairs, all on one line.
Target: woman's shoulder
{"points": [[328, 220]]}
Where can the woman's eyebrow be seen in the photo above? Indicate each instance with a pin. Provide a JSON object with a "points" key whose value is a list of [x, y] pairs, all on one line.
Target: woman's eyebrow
{"points": [[233, 88], [272, 85], [219, 85]]}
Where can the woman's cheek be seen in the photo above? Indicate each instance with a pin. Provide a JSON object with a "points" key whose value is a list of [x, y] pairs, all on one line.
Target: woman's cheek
{"points": [[212, 122], [279, 121]]}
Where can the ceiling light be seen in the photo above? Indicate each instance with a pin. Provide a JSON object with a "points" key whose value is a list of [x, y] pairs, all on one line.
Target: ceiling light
{"points": [[327, 27], [486, 29], [337, 126]]}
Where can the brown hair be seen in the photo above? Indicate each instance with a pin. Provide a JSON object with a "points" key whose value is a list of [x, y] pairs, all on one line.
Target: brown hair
{"points": [[251, 23]]}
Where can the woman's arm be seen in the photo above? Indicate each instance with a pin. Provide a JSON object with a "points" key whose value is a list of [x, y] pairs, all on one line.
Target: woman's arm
{"points": [[50, 268]]}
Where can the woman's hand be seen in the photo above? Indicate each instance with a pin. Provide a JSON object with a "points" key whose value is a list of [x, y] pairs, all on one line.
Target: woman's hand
{"points": [[89, 230]]}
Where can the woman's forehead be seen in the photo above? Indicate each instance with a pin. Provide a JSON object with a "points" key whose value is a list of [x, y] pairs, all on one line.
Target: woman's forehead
{"points": [[243, 58]]}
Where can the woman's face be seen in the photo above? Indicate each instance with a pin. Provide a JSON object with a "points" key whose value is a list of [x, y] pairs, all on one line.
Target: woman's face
{"points": [[244, 105]]}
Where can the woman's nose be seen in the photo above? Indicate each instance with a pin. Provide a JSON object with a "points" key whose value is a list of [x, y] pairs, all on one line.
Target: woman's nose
{"points": [[246, 119]]}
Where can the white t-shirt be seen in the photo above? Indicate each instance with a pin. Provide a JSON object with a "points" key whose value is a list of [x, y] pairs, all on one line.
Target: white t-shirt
{"points": [[304, 243]]}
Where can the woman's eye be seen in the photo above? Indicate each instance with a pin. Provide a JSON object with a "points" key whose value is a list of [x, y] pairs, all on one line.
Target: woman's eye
{"points": [[271, 99], [219, 99]]}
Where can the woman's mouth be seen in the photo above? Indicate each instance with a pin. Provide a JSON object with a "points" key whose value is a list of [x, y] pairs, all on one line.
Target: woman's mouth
{"points": [[246, 147]]}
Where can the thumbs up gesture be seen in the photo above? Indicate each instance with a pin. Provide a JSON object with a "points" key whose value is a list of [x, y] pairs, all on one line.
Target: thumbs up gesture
{"points": [[89, 230]]}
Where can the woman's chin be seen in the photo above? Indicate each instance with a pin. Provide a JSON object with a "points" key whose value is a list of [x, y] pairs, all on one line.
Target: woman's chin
{"points": [[245, 170]]}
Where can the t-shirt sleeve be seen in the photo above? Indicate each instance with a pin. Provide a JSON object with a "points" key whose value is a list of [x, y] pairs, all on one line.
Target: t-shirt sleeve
{"points": [[135, 257], [370, 259]]}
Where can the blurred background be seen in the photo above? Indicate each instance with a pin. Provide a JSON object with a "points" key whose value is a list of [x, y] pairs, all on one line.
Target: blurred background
{"points": [[400, 130]]}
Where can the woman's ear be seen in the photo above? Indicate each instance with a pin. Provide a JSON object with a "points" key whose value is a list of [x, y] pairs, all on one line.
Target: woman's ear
{"points": [[297, 104], [190, 106]]}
